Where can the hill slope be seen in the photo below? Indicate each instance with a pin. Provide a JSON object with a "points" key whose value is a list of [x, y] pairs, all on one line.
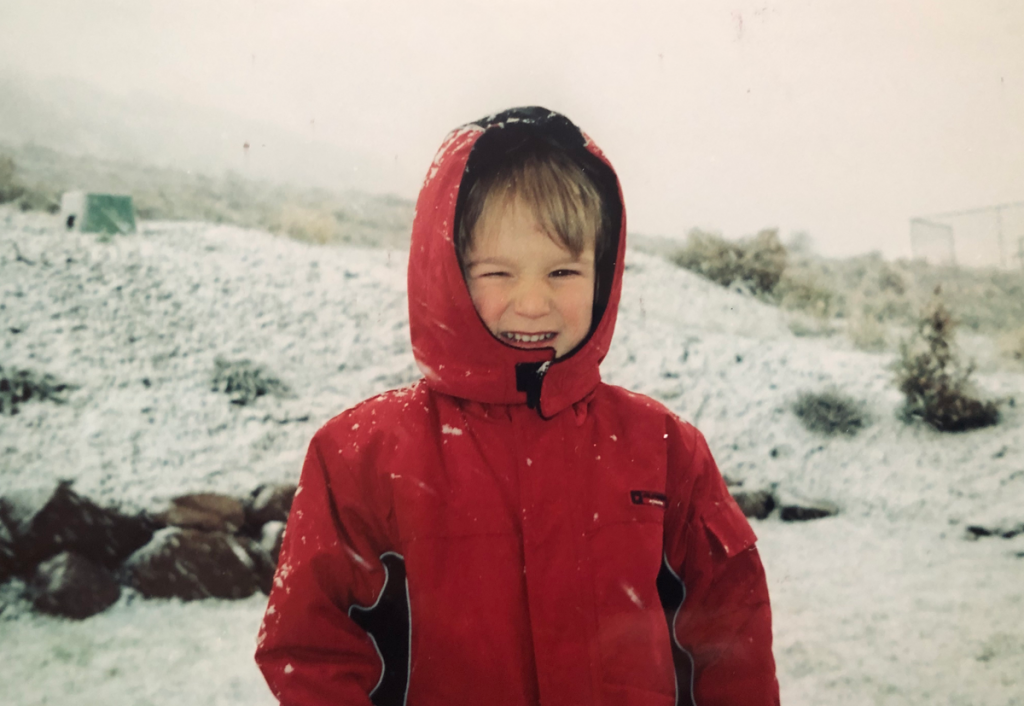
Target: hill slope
{"points": [[886, 603]]}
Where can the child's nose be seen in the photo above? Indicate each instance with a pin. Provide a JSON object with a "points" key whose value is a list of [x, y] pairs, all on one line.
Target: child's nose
{"points": [[532, 301]]}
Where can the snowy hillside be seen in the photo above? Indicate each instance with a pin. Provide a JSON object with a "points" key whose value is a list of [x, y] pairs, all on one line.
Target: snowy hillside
{"points": [[888, 603]]}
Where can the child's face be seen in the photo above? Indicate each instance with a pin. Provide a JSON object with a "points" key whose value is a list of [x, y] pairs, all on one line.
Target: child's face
{"points": [[528, 289]]}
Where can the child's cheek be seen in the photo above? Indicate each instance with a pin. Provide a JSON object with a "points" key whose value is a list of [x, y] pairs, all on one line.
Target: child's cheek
{"points": [[490, 301]]}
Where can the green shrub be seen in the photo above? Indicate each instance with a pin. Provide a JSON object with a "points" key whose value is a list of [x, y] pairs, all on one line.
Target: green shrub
{"points": [[756, 263], [19, 386], [936, 384], [803, 289], [244, 381], [830, 412]]}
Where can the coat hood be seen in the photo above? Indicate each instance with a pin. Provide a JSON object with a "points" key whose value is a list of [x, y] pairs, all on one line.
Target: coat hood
{"points": [[456, 352]]}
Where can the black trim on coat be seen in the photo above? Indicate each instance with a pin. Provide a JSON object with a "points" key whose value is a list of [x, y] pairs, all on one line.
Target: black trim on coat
{"points": [[388, 623], [672, 593]]}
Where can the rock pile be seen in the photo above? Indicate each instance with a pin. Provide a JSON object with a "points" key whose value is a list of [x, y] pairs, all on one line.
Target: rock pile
{"points": [[75, 555]]}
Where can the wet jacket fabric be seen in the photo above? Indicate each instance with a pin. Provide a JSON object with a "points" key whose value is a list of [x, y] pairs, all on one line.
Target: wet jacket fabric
{"points": [[511, 530]]}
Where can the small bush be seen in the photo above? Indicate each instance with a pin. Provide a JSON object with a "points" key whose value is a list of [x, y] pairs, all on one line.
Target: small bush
{"points": [[311, 225], [10, 189], [936, 384], [757, 263], [245, 382], [802, 289], [18, 386], [39, 199], [830, 413]]}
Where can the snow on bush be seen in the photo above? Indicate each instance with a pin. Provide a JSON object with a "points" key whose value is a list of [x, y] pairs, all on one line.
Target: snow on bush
{"points": [[830, 412], [756, 264], [245, 381], [762, 266]]}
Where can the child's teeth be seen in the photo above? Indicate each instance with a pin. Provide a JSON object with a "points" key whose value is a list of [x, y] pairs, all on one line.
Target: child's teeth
{"points": [[520, 338]]}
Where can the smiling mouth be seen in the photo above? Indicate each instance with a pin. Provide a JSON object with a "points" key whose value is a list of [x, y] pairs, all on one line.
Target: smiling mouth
{"points": [[513, 337]]}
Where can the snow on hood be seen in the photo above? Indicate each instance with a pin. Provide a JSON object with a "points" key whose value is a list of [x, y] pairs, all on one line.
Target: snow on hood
{"points": [[453, 348]]}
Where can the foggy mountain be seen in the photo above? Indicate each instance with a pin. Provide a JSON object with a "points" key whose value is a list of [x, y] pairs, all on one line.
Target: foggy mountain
{"points": [[73, 117]]}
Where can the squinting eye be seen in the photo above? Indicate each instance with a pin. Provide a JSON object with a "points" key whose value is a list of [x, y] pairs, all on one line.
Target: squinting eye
{"points": [[565, 273]]}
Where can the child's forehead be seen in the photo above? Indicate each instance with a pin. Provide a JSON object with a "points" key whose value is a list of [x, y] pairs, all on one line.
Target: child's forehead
{"points": [[509, 226], [512, 210]]}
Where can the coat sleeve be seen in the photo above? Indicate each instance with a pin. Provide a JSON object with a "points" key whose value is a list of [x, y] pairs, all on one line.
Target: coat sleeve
{"points": [[309, 649], [723, 625]]}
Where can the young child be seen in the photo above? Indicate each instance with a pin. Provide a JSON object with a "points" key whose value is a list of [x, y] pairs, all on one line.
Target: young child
{"points": [[511, 530]]}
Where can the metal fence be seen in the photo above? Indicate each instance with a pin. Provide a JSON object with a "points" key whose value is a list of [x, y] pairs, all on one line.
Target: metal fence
{"points": [[977, 237]]}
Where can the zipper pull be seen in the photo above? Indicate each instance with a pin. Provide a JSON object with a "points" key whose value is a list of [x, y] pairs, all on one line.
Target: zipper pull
{"points": [[529, 377]]}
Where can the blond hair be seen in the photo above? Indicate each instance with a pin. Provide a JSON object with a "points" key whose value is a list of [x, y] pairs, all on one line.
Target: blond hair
{"points": [[562, 197]]}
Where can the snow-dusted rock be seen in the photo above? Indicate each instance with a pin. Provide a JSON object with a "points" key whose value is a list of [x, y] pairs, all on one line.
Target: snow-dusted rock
{"points": [[72, 586], [801, 511], [1007, 528], [271, 536], [270, 502], [191, 564], [212, 512], [754, 503], [264, 562], [47, 520]]}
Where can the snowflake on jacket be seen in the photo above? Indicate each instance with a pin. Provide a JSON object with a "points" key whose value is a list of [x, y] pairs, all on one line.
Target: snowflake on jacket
{"points": [[511, 530]]}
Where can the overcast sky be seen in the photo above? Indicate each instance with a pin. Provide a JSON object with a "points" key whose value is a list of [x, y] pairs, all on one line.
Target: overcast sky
{"points": [[843, 119]]}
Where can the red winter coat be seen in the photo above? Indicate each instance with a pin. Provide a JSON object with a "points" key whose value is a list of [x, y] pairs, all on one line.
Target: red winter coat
{"points": [[451, 545]]}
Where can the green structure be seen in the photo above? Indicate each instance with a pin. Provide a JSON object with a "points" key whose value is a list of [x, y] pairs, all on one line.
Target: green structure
{"points": [[98, 213]]}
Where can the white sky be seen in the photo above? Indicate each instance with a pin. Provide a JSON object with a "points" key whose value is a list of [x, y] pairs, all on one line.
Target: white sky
{"points": [[841, 118]]}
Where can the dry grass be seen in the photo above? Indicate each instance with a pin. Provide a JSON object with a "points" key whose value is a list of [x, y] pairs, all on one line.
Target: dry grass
{"points": [[868, 332], [10, 189], [310, 225]]}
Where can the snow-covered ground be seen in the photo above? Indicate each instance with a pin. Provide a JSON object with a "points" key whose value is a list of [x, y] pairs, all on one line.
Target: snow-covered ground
{"points": [[887, 603]]}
